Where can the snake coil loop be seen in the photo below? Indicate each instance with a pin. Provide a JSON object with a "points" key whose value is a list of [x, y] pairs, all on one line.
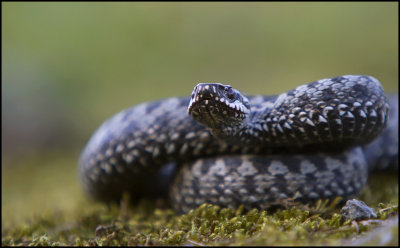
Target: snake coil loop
{"points": [[222, 147]]}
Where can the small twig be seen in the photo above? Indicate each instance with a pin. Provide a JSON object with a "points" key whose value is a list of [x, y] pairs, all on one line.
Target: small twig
{"points": [[355, 226], [384, 209], [195, 243]]}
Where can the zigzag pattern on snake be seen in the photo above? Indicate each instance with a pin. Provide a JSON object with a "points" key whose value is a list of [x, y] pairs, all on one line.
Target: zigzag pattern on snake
{"points": [[319, 140]]}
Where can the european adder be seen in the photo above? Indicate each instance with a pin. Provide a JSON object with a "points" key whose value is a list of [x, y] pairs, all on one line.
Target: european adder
{"points": [[319, 140]]}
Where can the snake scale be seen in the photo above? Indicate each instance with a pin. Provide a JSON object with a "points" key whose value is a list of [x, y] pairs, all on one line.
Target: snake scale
{"points": [[319, 140]]}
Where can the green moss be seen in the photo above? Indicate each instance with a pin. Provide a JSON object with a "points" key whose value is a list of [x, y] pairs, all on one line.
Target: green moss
{"points": [[93, 224], [206, 225]]}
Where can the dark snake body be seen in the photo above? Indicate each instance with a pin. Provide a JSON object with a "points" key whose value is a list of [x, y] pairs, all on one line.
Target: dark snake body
{"points": [[308, 143]]}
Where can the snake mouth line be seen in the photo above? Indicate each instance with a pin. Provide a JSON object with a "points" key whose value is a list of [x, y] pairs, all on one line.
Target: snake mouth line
{"points": [[234, 106]]}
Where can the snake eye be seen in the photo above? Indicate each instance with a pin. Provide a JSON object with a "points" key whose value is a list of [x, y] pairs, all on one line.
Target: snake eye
{"points": [[230, 93]]}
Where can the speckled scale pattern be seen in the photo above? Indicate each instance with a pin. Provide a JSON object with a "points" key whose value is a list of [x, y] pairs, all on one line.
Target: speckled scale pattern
{"points": [[263, 181], [130, 151], [127, 150], [344, 110], [383, 152]]}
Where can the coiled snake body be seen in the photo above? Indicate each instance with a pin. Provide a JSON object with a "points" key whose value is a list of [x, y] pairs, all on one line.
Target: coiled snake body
{"points": [[228, 149]]}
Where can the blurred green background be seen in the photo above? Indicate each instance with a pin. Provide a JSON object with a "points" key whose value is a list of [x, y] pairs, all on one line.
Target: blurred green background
{"points": [[69, 66]]}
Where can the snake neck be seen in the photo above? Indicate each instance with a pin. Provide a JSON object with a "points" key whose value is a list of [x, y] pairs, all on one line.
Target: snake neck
{"points": [[342, 111]]}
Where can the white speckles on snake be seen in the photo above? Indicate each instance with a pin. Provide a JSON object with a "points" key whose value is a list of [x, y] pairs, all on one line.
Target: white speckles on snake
{"points": [[219, 146]]}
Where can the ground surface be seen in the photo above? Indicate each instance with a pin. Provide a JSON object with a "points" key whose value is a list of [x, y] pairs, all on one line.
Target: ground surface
{"points": [[46, 207]]}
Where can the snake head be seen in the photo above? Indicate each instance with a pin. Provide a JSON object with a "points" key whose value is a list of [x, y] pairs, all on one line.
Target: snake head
{"points": [[219, 107]]}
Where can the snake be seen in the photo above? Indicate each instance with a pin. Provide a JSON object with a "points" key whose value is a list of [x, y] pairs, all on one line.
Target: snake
{"points": [[317, 141]]}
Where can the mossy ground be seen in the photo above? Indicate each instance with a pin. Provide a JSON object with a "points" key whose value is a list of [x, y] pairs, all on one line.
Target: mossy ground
{"points": [[207, 225], [92, 224]]}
